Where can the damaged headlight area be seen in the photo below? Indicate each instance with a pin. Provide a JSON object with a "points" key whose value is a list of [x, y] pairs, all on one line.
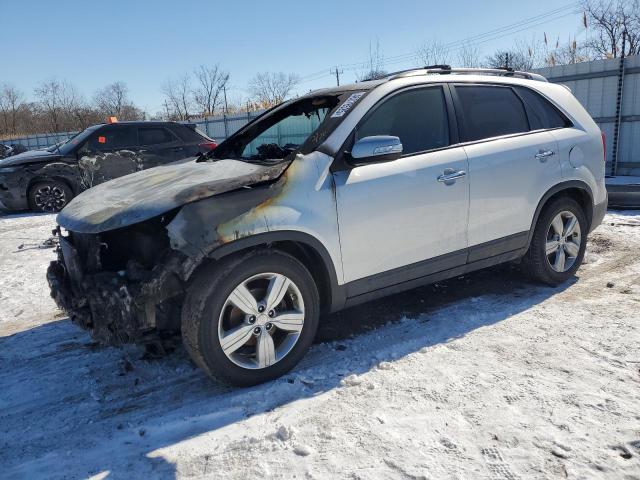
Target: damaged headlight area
{"points": [[123, 285]]}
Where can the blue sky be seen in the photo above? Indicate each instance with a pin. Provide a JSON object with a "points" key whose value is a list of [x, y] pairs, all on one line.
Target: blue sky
{"points": [[143, 43]]}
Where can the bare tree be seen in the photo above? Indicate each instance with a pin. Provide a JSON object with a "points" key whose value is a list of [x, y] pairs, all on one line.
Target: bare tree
{"points": [[468, 55], [511, 59], [210, 85], [374, 66], [177, 94], [566, 54], [433, 52], [62, 105], [523, 55], [113, 100], [270, 88], [11, 103], [607, 21]]}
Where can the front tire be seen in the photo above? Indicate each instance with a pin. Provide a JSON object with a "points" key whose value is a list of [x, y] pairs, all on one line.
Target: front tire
{"points": [[49, 196], [558, 243], [250, 319]]}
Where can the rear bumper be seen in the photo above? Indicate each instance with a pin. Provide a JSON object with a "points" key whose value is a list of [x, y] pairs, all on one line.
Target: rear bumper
{"points": [[116, 307], [599, 212]]}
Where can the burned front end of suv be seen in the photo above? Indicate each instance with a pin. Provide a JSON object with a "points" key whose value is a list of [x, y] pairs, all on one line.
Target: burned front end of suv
{"points": [[122, 270], [123, 285], [128, 248]]}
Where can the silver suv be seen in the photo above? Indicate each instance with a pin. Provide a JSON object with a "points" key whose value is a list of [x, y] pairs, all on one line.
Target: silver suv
{"points": [[329, 200]]}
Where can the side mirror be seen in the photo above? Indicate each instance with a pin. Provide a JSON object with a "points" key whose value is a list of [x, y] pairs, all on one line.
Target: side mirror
{"points": [[377, 148]]}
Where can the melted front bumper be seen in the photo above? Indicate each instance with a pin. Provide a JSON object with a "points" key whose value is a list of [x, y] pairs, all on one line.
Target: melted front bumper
{"points": [[116, 307]]}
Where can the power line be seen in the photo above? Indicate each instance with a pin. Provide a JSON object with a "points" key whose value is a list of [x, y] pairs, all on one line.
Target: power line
{"points": [[496, 37], [494, 34], [483, 37]]}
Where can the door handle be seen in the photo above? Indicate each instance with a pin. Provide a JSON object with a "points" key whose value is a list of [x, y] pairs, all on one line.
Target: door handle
{"points": [[450, 176], [542, 155]]}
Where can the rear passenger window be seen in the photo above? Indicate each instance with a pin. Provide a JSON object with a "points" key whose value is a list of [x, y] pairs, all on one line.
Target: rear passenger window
{"points": [[154, 136], [188, 134], [490, 112], [542, 114], [418, 117]]}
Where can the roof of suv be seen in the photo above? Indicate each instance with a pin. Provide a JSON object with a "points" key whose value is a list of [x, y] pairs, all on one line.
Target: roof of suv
{"points": [[435, 73], [140, 123]]}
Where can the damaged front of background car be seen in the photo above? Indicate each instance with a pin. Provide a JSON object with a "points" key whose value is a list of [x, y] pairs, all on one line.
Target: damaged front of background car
{"points": [[132, 245], [47, 180]]}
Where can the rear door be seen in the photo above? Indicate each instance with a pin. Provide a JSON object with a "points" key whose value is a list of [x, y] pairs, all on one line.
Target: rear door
{"points": [[511, 165], [159, 145], [397, 221]]}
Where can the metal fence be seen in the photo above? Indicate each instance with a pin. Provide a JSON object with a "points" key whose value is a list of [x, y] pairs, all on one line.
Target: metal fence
{"points": [[610, 91], [39, 140], [221, 127]]}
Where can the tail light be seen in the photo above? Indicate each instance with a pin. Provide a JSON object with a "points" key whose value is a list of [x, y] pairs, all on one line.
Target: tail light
{"points": [[604, 147], [209, 145]]}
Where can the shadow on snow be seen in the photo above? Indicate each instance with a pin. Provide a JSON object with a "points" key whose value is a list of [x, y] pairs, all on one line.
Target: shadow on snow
{"points": [[75, 409]]}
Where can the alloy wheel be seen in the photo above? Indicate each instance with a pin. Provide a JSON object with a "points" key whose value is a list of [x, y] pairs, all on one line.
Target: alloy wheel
{"points": [[50, 198], [563, 241], [261, 320]]}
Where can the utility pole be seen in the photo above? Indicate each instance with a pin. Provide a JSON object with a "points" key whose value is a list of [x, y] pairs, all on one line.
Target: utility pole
{"points": [[337, 74], [166, 107], [226, 107], [617, 125], [506, 60]]}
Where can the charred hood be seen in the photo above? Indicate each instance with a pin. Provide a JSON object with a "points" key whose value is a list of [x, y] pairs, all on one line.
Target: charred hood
{"points": [[150, 193]]}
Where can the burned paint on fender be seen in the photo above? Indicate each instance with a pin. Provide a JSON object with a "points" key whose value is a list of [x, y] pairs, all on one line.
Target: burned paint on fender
{"points": [[195, 229], [149, 193]]}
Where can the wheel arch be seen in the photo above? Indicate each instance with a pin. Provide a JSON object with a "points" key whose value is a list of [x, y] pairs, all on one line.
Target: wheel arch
{"points": [[47, 178], [305, 248], [576, 189]]}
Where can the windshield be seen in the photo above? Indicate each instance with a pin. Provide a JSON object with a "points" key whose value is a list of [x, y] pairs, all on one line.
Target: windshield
{"points": [[70, 145], [284, 137], [286, 129]]}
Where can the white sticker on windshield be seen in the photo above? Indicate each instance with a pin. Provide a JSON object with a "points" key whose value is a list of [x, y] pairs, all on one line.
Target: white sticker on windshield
{"points": [[348, 103]]}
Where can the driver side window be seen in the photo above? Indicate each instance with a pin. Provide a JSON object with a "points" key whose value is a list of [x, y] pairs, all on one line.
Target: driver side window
{"points": [[418, 117], [110, 139]]}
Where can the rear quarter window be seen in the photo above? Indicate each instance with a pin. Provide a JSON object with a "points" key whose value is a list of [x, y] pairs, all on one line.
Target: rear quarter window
{"points": [[542, 114]]}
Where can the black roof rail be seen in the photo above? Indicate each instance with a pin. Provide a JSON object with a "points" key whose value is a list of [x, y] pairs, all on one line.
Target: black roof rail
{"points": [[447, 69]]}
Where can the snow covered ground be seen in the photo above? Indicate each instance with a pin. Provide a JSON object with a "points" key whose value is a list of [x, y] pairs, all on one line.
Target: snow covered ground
{"points": [[482, 377]]}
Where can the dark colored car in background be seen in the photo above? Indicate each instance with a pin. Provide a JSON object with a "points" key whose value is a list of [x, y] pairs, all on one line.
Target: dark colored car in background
{"points": [[46, 180], [5, 150]]}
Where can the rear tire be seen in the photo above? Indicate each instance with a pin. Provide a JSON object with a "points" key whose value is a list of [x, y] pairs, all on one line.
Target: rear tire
{"points": [[558, 243], [209, 316], [49, 196]]}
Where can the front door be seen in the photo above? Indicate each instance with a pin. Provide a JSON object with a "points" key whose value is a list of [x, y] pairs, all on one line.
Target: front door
{"points": [[398, 220], [109, 153]]}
